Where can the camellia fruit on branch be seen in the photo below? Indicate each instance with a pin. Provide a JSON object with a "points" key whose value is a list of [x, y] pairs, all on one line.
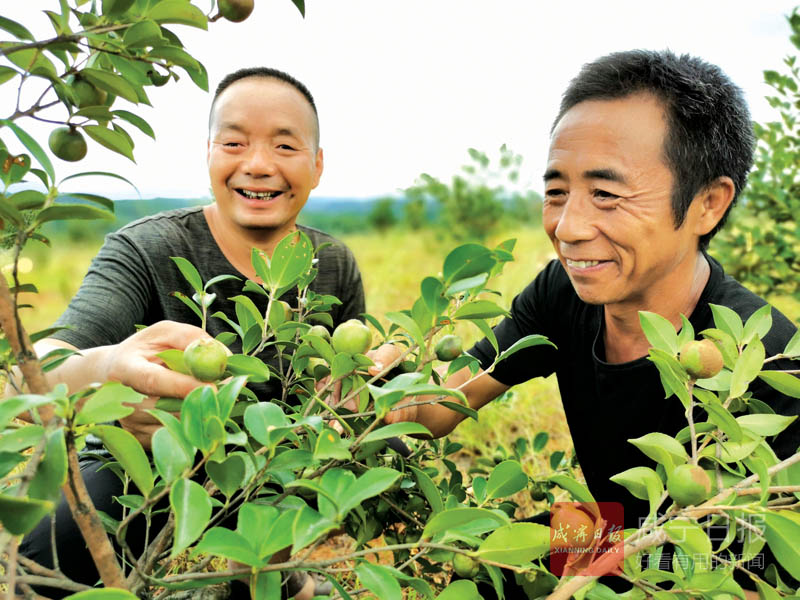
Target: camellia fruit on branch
{"points": [[236, 10], [688, 485], [701, 359], [67, 143], [206, 359], [351, 337]]}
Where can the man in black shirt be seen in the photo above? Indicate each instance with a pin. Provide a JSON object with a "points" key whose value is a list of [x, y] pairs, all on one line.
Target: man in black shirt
{"points": [[648, 153]]}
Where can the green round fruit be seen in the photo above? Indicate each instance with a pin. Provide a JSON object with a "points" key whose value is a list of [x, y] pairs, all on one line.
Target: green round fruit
{"points": [[321, 331], [688, 485], [465, 566], [701, 359], [206, 359], [449, 348], [236, 10], [538, 492], [67, 144], [351, 337], [317, 368], [87, 94]]}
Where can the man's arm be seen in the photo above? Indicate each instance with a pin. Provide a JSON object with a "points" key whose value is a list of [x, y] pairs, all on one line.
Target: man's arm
{"points": [[440, 420], [132, 362]]}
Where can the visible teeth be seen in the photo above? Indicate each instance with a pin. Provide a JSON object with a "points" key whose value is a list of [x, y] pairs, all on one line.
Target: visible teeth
{"points": [[259, 195], [582, 264]]}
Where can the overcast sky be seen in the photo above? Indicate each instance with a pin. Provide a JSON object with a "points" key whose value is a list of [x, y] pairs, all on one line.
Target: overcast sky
{"points": [[406, 86]]}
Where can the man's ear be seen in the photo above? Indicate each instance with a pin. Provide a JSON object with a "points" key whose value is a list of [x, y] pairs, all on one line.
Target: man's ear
{"points": [[711, 204], [318, 167]]}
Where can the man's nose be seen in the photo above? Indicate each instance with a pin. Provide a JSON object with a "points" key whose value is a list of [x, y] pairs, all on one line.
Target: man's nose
{"points": [[575, 221], [260, 161]]}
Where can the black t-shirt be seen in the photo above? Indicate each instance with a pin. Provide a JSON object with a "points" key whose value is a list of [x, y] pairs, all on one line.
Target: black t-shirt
{"points": [[607, 404], [131, 280]]}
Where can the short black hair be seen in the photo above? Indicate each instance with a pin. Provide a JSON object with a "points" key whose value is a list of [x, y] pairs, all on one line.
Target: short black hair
{"points": [[709, 130], [266, 73]]}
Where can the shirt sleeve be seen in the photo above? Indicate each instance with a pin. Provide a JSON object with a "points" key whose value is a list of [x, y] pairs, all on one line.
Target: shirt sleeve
{"points": [[528, 312], [112, 298]]}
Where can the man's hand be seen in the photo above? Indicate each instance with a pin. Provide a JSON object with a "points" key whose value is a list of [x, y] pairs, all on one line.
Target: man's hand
{"points": [[134, 363]]}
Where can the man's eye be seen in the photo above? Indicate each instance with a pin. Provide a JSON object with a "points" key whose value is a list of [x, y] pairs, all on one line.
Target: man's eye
{"points": [[285, 147], [231, 144], [555, 195], [604, 195]]}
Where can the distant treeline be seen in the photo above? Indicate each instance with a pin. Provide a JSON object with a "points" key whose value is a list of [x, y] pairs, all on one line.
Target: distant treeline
{"points": [[337, 216]]}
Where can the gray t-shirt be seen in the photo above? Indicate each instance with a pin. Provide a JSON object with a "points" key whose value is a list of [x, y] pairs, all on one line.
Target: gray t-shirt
{"points": [[131, 280]]}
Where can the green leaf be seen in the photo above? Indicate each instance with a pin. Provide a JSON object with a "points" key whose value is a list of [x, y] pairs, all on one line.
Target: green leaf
{"points": [[33, 147], [173, 358], [792, 349], [112, 83], [309, 526], [468, 283], [13, 407], [176, 429], [396, 429], [722, 418], [138, 122], [728, 321], [113, 140], [266, 586], [432, 293], [253, 367], [301, 6], [782, 533], [60, 212], [143, 33], [692, 539], [662, 448], [100, 174], [659, 332], [330, 445], [228, 474], [51, 473], [178, 11], [219, 541], [291, 259], [455, 517], [467, 261], [198, 410], [20, 515], [428, 488], [379, 580], [370, 484], [192, 507], [7, 73], [266, 423], [643, 482], [462, 589], [578, 491], [15, 29], [506, 479], [108, 404], [479, 309], [747, 367], [526, 342], [189, 272], [169, 455], [786, 383], [516, 544], [764, 424], [409, 324], [758, 325], [127, 450]]}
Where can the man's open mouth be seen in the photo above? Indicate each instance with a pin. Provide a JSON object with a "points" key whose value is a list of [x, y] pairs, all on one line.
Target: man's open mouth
{"points": [[258, 195]]}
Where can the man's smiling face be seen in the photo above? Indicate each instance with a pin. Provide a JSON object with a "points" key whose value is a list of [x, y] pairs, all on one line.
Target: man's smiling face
{"points": [[607, 206], [263, 159]]}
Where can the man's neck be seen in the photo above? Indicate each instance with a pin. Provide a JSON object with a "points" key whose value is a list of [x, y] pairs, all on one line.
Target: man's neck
{"points": [[623, 336], [236, 243]]}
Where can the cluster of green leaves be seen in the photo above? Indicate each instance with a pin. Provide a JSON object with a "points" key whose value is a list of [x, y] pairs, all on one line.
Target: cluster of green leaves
{"points": [[475, 202], [280, 468], [761, 245], [733, 449]]}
